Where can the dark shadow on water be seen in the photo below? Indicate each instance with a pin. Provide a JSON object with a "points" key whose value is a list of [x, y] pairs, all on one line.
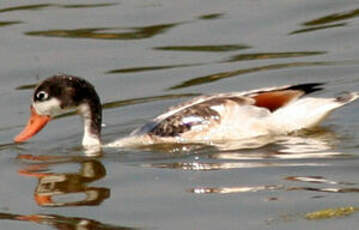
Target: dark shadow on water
{"points": [[148, 68], [107, 33], [62, 222], [41, 6], [204, 48], [327, 22]]}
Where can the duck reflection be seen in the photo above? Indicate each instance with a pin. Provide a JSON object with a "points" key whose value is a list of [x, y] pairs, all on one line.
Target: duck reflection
{"points": [[337, 187], [302, 150], [66, 189], [62, 222]]}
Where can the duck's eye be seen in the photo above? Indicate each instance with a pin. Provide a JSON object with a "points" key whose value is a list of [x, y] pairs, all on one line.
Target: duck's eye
{"points": [[42, 96]]}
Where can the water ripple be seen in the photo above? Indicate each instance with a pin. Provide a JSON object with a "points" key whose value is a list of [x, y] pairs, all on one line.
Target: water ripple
{"points": [[62, 222], [204, 48], [148, 68], [223, 75], [327, 22], [333, 18], [211, 16], [314, 28], [263, 56], [9, 23], [107, 33], [41, 6]]}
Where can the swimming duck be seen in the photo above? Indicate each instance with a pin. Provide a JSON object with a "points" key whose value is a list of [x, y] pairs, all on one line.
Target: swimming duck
{"points": [[203, 119]]}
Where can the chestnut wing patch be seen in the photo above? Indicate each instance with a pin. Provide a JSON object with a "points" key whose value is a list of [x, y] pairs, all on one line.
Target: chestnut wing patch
{"points": [[276, 99], [197, 114]]}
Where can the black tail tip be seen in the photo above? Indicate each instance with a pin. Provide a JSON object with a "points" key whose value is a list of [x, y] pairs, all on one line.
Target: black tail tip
{"points": [[308, 88]]}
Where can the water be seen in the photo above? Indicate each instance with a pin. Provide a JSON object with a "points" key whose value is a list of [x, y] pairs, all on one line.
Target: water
{"points": [[144, 56]]}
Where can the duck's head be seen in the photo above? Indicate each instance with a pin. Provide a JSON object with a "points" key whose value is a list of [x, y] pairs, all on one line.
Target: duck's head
{"points": [[59, 94]]}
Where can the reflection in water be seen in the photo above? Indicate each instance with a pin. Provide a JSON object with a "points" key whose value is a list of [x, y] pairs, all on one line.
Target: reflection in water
{"points": [[204, 48], [317, 143], [66, 189], [200, 166], [316, 180], [149, 68], [223, 75], [314, 28], [289, 151], [262, 56], [9, 23], [86, 5], [62, 222], [258, 152], [25, 87], [258, 188], [40, 6], [328, 21], [211, 16], [321, 180], [328, 190], [333, 18], [107, 33], [26, 7], [223, 190]]}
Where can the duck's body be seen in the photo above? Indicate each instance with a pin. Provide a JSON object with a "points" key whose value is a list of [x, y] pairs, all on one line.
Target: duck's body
{"points": [[204, 119]]}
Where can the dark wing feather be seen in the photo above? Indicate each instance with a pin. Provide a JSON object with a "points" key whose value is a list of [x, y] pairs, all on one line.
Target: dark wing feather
{"points": [[196, 114]]}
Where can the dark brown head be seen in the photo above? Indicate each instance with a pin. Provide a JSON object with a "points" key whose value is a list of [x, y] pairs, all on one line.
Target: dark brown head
{"points": [[59, 94]]}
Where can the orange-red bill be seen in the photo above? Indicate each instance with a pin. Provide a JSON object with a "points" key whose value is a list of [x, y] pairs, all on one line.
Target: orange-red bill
{"points": [[34, 125]]}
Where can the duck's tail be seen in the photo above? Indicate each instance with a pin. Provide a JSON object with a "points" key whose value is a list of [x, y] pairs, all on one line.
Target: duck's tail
{"points": [[308, 112], [347, 97]]}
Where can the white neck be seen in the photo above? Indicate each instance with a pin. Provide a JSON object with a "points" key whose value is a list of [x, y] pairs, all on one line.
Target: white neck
{"points": [[89, 138]]}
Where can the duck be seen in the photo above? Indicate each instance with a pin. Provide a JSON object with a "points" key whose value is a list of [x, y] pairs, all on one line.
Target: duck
{"points": [[204, 119]]}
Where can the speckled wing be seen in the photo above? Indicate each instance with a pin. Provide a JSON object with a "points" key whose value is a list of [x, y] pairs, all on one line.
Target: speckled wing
{"points": [[199, 113]]}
